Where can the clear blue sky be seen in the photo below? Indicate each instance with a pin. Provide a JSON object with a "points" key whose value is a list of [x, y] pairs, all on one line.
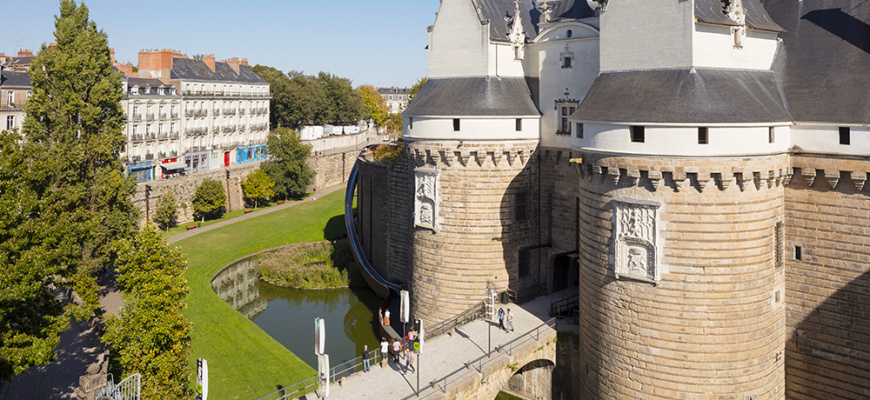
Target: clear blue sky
{"points": [[380, 43]]}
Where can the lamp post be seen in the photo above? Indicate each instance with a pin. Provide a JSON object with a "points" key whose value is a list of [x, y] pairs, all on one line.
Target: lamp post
{"points": [[229, 198]]}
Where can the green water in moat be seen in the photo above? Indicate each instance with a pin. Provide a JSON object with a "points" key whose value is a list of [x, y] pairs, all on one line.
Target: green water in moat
{"points": [[287, 315]]}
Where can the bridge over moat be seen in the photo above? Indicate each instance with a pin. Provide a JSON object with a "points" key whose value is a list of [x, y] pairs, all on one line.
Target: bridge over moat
{"points": [[458, 365]]}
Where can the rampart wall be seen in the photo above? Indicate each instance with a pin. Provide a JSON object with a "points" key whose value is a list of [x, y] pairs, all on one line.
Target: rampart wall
{"points": [[828, 288], [705, 318]]}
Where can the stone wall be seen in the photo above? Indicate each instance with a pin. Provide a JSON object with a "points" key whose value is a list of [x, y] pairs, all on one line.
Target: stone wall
{"points": [[332, 168], [828, 288], [185, 188], [699, 313], [529, 368], [477, 231]]}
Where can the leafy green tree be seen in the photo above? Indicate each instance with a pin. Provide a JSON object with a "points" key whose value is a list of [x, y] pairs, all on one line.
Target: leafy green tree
{"points": [[394, 124], [288, 167], [166, 211], [151, 335], [71, 198], [375, 105], [209, 200], [416, 89], [258, 186], [343, 103]]}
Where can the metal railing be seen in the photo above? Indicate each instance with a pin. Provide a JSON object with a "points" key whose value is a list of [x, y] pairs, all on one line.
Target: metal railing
{"points": [[440, 386], [565, 307], [477, 311], [128, 389], [341, 370]]}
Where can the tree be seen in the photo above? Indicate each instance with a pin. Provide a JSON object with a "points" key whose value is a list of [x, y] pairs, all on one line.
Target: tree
{"points": [[151, 335], [416, 89], [71, 198], [376, 106], [394, 124], [209, 199], [343, 104], [166, 212], [288, 167], [258, 186]]}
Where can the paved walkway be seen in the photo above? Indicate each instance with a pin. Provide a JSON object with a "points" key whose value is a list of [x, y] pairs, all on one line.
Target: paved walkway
{"points": [[442, 356]]}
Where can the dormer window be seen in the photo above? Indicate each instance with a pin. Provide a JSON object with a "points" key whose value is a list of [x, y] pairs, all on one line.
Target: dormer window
{"points": [[160, 91], [134, 89], [147, 89]]}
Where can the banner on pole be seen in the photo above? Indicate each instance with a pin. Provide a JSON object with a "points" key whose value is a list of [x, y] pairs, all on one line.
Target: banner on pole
{"points": [[405, 307], [319, 336], [201, 379], [323, 373]]}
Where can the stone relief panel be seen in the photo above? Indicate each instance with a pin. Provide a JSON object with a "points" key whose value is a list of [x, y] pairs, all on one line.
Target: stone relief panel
{"points": [[425, 198], [635, 234]]}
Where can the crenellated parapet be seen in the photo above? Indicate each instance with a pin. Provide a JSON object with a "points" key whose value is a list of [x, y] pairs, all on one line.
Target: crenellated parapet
{"points": [[501, 155], [679, 175], [836, 173]]}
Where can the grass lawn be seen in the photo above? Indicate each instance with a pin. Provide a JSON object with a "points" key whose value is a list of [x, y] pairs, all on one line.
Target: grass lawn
{"points": [[230, 215], [244, 362]]}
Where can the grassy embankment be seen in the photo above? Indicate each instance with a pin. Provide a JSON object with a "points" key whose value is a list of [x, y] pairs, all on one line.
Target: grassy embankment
{"points": [[245, 362]]}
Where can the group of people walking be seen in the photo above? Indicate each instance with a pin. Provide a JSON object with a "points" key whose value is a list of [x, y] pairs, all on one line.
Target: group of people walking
{"points": [[397, 352], [509, 316]]}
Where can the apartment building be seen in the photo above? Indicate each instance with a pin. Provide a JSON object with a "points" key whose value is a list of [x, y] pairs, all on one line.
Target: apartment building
{"points": [[224, 107], [397, 98], [15, 89], [153, 129]]}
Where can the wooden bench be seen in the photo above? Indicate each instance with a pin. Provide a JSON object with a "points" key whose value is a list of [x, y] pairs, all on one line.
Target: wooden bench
{"points": [[191, 226]]}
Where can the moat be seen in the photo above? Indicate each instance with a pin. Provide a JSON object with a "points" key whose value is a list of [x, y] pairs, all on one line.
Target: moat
{"points": [[287, 315]]}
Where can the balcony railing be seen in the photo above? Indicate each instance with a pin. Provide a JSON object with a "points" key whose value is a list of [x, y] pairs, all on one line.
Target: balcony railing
{"points": [[149, 117], [163, 116], [241, 111], [136, 117], [230, 111], [149, 156], [201, 113], [216, 112], [174, 115]]}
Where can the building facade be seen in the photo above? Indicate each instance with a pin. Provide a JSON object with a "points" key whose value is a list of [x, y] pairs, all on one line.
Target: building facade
{"points": [[15, 89], [154, 144], [692, 170], [224, 107], [396, 98]]}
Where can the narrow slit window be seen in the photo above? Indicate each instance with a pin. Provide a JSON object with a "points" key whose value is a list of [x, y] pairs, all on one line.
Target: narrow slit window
{"points": [[456, 124], [519, 126], [703, 135], [845, 135], [579, 128], [771, 135], [638, 134], [798, 253], [411, 123]]}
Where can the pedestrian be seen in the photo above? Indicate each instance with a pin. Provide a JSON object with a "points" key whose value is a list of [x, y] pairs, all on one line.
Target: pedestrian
{"points": [[510, 320], [385, 347], [409, 360], [501, 318], [387, 317], [365, 357], [397, 350]]}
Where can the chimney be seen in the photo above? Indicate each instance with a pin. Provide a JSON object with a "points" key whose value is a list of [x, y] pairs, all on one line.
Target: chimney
{"points": [[156, 63], [112, 55], [244, 62], [29, 53], [234, 64], [209, 60]]}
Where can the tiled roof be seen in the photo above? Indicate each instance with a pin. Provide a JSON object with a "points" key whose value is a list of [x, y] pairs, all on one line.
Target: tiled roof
{"points": [[497, 10], [473, 97], [696, 95], [713, 12], [183, 68], [15, 79], [827, 58]]}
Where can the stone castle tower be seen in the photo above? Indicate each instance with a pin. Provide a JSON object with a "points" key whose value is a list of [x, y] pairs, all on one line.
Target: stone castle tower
{"points": [[660, 159]]}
